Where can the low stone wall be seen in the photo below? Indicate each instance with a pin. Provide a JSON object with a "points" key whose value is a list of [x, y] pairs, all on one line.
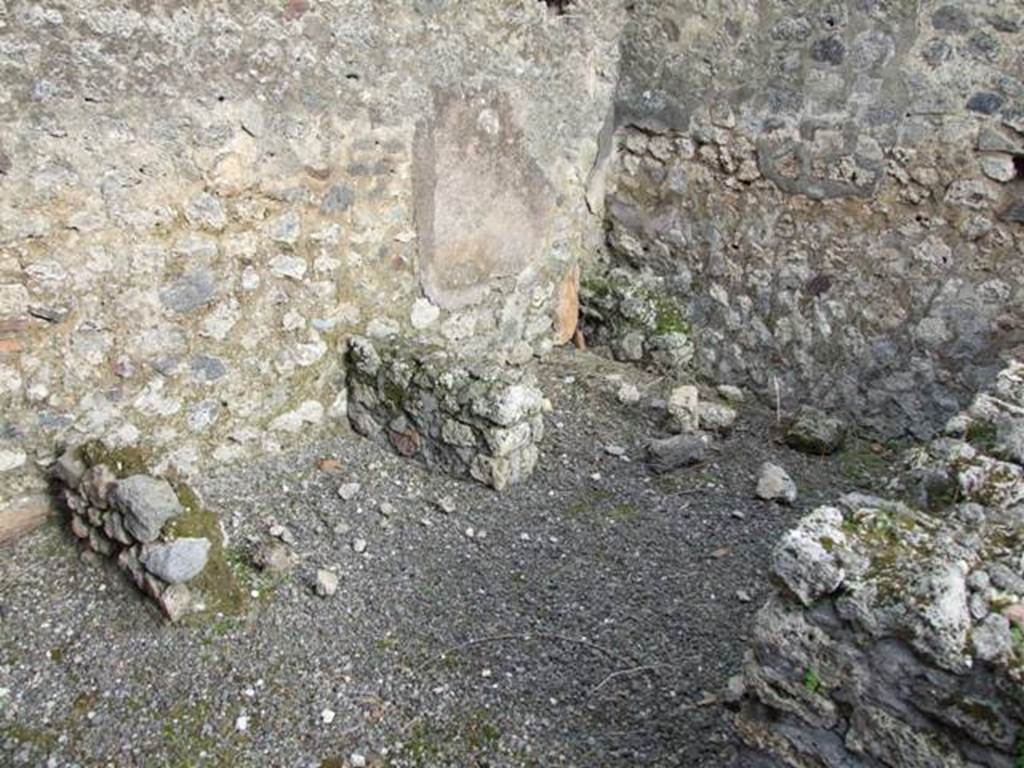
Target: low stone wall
{"points": [[481, 419], [156, 532], [896, 635]]}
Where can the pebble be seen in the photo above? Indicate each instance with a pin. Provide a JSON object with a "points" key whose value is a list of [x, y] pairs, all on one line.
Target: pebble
{"points": [[387, 508], [326, 583], [615, 450], [738, 514], [446, 504], [327, 716], [743, 596], [349, 491], [242, 723], [359, 546], [357, 760], [470, 532]]}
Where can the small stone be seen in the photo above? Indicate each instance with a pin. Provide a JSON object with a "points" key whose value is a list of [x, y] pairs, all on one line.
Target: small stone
{"points": [[175, 601], [991, 639], [446, 504], [327, 716], [743, 596], [69, 469], [628, 394], [682, 409], [349, 491], [387, 509], [97, 484], [326, 583], [730, 393], [675, 452], [242, 723], [814, 432], [735, 689], [738, 514], [357, 760], [775, 484], [615, 450], [178, 561], [998, 167], [146, 503], [359, 546]]}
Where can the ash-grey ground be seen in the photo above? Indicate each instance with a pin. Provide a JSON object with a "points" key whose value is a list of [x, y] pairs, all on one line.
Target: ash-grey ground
{"points": [[607, 568]]}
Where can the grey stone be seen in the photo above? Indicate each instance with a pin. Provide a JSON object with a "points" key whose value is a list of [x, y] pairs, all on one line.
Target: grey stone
{"points": [[190, 292], [348, 491], [146, 503], [338, 199], [991, 639], [814, 432], [683, 409], [68, 469], [207, 369], [178, 561], [775, 484], [274, 557], [678, 451]]}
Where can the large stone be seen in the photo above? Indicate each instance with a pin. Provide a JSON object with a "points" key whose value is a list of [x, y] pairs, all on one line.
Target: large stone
{"points": [[146, 503], [806, 558], [178, 561], [677, 451], [812, 431], [683, 409]]}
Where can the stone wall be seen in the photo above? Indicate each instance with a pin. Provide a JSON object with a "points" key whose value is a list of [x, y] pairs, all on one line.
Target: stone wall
{"points": [[833, 191], [469, 417], [200, 202], [895, 636]]}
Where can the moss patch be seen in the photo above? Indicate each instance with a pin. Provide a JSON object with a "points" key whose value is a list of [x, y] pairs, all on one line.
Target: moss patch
{"points": [[123, 462], [219, 582]]}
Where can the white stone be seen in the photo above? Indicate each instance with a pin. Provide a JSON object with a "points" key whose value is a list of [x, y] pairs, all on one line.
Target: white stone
{"points": [[291, 267], [10, 460], [311, 412], [326, 583], [998, 167], [775, 484], [424, 314]]}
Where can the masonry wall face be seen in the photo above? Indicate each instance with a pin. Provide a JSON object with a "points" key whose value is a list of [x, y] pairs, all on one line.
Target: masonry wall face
{"points": [[834, 192], [200, 202]]}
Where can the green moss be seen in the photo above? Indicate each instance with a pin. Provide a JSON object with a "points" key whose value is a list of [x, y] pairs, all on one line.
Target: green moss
{"points": [[123, 462], [36, 737], [983, 435], [811, 680], [827, 543], [473, 738], [864, 466], [219, 581], [668, 318]]}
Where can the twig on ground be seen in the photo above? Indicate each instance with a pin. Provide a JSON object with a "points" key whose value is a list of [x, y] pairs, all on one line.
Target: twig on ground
{"points": [[622, 673]]}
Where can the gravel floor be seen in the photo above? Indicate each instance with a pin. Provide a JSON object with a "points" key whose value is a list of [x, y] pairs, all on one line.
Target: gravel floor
{"points": [[587, 618]]}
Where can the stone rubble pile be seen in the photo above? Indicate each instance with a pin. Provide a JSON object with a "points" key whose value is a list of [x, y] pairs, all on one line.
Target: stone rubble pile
{"points": [[896, 634], [130, 519], [637, 318], [471, 419]]}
